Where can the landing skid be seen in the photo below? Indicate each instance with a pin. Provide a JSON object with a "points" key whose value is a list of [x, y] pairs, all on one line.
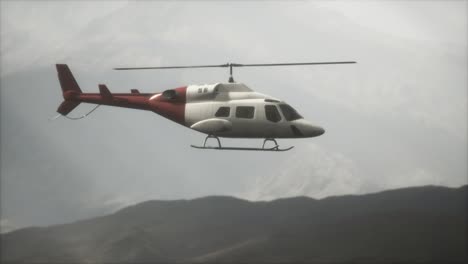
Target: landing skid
{"points": [[219, 147], [235, 148]]}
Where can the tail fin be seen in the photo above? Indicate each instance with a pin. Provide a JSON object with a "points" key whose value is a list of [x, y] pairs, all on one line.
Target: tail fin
{"points": [[68, 83], [67, 106]]}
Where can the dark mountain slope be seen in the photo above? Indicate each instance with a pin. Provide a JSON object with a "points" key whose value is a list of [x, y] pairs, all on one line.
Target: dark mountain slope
{"points": [[422, 224]]}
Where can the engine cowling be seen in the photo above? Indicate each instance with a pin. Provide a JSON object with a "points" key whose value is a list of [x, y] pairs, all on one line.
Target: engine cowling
{"points": [[202, 92]]}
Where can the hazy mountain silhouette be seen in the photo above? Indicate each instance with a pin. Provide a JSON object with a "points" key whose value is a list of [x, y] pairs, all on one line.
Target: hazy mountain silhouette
{"points": [[420, 224]]}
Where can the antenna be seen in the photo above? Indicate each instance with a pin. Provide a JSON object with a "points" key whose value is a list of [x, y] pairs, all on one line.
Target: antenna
{"points": [[231, 65]]}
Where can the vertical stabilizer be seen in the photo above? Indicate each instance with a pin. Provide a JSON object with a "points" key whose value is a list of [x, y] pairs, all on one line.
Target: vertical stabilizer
{"points": [[68, 84], [67, 81]]}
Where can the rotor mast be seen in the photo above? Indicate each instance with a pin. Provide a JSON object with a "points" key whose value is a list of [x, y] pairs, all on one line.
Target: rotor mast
{"points": [[231, 78], [231, 65]]}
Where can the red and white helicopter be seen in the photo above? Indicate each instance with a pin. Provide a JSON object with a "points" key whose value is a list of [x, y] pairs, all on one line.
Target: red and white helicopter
{"points": [[230, 109]]}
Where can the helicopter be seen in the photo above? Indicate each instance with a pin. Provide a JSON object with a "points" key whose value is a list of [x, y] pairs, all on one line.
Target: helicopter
{"points": [[228, 110]]}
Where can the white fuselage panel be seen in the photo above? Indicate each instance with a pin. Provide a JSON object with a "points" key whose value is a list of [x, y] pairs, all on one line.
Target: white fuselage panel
{"points": [[203, 102]]}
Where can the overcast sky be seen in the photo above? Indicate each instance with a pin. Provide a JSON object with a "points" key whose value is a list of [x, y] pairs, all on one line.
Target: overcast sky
{"points": [[397, 118]]}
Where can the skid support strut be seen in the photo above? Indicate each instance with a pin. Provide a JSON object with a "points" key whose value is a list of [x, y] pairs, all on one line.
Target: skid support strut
{"points": [[212, 136], [219, 147], [270, 139]]}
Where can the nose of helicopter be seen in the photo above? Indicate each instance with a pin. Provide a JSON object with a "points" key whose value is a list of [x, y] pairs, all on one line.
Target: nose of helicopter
{"points": [[303, 128]]}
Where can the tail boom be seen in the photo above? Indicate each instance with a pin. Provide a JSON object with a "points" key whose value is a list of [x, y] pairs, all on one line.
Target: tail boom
{"points": [[171, 107], [127, 100], [73, 95]]}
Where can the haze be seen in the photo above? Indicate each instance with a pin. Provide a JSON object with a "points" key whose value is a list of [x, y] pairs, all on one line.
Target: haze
{"points": [[397, 118]]}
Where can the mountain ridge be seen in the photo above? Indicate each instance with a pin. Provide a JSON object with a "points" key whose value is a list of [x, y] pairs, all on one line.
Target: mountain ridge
{"points": [[424, 224]]}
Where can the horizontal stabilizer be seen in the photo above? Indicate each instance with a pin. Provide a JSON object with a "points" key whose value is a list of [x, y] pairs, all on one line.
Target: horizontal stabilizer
{"points": [[104, 91]]}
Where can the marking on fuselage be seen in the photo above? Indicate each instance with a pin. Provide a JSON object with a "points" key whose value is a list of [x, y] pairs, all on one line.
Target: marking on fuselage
{"points": [[155, 96]]}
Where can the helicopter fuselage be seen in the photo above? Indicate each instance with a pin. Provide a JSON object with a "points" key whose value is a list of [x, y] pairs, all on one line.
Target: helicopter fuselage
{"points": [[232, 110], [221, 109]]}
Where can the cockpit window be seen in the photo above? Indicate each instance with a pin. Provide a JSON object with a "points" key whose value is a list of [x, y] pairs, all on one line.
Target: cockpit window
{"points": [[289, 112]]}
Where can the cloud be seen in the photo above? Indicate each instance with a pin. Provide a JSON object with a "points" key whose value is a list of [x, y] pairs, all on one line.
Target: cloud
{"points": [[309, 171], [414, 177], [43, 30]]}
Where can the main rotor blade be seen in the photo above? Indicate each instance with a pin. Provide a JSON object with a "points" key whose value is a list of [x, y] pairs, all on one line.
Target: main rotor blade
{"points": [[291, 64], [231, 65], [172, 67]]}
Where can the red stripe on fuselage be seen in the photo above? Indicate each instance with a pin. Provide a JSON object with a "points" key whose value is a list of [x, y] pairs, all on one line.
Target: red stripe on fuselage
{"points": [[173, 109], [120, 100]]}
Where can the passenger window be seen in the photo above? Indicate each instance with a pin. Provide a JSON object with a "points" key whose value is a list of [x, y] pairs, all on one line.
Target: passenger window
{"points": [[272, 113], [245, 111], [223, 111]]}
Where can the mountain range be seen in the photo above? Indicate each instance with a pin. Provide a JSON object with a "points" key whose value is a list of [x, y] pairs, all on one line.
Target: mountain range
{"points": [[412, 225]]}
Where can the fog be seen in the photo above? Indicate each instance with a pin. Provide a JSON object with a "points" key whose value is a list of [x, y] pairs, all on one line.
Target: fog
{"points": [[397, 118]]}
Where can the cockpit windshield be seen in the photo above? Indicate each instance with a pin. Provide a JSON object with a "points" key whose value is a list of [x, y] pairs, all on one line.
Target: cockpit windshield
{"points": [[289, 113]]}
